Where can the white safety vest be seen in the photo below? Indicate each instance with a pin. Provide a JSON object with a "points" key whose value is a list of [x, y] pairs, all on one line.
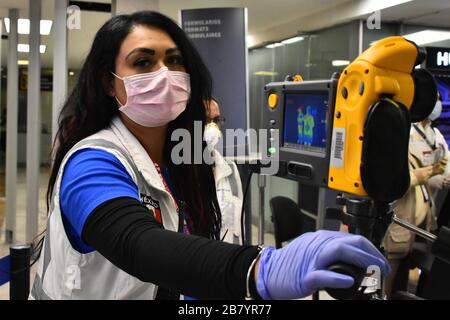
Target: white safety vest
{"points": [[64, 273]]}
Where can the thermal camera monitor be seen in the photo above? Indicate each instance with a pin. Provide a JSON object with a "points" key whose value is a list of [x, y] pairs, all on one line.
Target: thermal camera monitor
{"points": [[305, 122]]}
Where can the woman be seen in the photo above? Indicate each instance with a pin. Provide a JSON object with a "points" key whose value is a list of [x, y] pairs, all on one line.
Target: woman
{"points": [[117, 200]]}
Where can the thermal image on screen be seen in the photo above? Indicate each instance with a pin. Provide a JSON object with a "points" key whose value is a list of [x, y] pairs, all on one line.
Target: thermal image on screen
{"points": [[443, 123], [305, 122]]}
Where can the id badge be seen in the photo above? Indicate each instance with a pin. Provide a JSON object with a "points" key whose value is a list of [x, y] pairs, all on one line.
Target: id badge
{"points": [[428, 158], [439, 154]]}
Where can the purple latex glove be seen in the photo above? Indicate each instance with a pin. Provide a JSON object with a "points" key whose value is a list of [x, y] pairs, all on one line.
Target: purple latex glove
{"points": [[300, 269]]}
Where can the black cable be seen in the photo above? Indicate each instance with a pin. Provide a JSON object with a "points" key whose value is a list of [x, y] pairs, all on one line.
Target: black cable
{"points": [[249, 180]]}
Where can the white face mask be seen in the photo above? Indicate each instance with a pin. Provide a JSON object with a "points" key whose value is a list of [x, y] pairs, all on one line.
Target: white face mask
{"points": [[436, 111], [212, 135]]}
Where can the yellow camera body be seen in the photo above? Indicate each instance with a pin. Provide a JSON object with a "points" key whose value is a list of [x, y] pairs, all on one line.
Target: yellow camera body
{"points": [[384, 70]]}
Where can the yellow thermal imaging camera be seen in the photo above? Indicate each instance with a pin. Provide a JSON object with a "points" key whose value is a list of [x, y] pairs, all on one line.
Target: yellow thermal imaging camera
{"points": [[351, 133]]}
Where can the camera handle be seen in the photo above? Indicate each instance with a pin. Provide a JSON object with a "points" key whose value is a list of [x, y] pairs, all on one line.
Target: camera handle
{"points": [[367, 218], [371, 220]]}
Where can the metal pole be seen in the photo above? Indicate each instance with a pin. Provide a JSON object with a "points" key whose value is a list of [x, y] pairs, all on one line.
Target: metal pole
{"points": [[247, 83], [113, 8], [33, 122], [11, 128], [262, 205], [60, 66], [321, 209], [1, 69], [422, 233], [130, 6], [19, 288], [361, 37], [401, 29]]}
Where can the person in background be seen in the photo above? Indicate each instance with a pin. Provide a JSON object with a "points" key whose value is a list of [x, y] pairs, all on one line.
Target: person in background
{"points": [[308, 131], [300, 123], [439, 184], [227, 178], [442, 186], [428, 155], [428, 145]]}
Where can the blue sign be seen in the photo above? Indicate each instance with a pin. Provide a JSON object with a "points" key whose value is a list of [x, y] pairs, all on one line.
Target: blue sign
{"points": [[220, 34]]}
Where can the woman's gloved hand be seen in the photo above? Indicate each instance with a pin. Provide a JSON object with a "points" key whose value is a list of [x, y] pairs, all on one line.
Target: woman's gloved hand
{"points": [[423, 174], [300, 269]]}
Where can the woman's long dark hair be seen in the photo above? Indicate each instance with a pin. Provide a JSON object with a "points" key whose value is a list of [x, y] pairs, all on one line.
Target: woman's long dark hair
{"points": [[90, 109]]}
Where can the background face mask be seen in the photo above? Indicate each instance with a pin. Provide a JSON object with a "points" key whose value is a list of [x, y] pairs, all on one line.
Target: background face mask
{"points": [[156, 98], [212, 135], [436, 111]]}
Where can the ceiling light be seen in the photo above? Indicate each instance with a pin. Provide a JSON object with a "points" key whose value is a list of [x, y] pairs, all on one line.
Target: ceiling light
{"points": [[266, 73], [24, 26], [25, 48], [71, 73], [23, 62], [274, 45], [46, 27], [428, 36], [340, 63], [292, 40]]}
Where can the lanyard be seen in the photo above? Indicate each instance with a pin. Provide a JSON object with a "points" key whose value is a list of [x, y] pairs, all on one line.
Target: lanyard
{"points": [[163, 293], [166, 186], [179, 205], [425, 193], [424, 136]]}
